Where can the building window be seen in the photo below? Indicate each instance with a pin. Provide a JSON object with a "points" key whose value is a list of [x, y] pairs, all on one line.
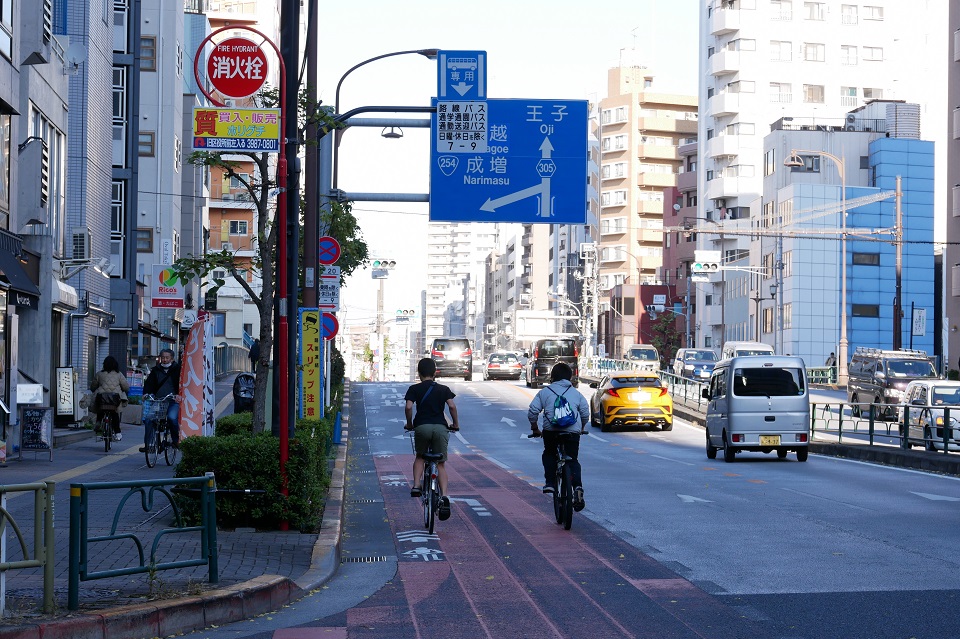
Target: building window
{"points": [[848, 13], [848, 96], [5, 134], [813, 93], [866, 259], [6, 28], [865, 310], [147, 144], [873, 54], [148, 53], [872, 94], [144, 240], [813, 10], [872, 13], [781, 92], [219, 324], [179, 60], [741, 86], [848, 54], [781, 50], [814, 52], [238, 227], [781, 10], [177, 153], [769, 162]]}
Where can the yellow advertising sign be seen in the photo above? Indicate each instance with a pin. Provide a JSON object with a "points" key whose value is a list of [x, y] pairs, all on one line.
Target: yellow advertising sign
{"points": [[226, 130], [311, 394]]}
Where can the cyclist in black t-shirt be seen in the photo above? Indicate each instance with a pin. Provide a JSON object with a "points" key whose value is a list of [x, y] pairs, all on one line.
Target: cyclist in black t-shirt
{"points": [[430, 424]]}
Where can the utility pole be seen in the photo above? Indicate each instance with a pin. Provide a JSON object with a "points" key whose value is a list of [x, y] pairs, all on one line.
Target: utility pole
{"points": [[311, 222], [898, 299]]}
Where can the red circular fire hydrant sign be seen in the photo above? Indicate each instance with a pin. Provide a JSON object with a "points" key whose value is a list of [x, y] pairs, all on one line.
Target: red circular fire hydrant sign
{"points": [[237, 68]]}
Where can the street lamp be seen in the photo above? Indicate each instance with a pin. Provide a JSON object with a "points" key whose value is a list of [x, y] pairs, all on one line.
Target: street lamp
{"points": [[759, 298], [795, 161], [430, 54]]}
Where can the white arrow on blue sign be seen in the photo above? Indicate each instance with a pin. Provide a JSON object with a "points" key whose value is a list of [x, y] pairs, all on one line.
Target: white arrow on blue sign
{"points": [[462, 75], [532, 167]]}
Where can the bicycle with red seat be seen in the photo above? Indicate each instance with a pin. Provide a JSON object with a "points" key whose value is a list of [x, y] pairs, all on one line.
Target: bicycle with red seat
{"points": [[563, 495], [155, 410], [107, 429]]}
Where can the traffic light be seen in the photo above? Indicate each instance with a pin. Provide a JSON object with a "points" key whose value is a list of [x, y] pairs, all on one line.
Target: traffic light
{"points": [[653, 309], [405, 314], [385, 263], [705, 267]]}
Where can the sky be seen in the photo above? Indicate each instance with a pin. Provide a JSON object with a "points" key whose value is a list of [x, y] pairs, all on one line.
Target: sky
{"points": [[535, 49]]}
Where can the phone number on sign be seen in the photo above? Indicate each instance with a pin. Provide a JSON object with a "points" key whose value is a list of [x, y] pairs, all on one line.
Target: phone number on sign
{"points": [[242, 144]]}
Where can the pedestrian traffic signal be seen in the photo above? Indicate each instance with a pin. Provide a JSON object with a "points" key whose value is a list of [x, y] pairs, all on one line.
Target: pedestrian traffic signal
{"points": [[705, 267], [384, 263]]}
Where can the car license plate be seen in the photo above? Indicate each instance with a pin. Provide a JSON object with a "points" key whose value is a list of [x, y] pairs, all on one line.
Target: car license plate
{"points": [[704, 373], [640, 396], [769, 440]]}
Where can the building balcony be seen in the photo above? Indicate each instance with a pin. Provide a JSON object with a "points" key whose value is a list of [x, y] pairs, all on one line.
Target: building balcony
{"points": [[687, 181], [654, 125], [722, 187], [650, 206], [650, 235], [724, 20], [724, 62], [724, 103], [656, 179], [657, 152], [722, 145]]}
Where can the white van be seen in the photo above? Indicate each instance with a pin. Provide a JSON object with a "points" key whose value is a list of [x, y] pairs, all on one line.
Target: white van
{"points": [[758, 403], [739, 349]]}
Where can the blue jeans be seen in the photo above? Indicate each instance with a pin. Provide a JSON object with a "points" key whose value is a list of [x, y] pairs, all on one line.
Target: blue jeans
{"points": [[173, 423]]}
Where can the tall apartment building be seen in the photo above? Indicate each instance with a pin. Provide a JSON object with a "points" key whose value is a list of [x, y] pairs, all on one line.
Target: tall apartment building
{"points": [[951, 252], [762, 61], [640, 131]]}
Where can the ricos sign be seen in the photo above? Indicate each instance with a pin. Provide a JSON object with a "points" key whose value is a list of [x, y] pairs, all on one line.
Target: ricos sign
{"points": [[237, 68]]}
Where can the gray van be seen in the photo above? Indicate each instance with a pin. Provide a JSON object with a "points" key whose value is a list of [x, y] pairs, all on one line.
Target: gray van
{"points": [[758, 403], [880, 377]]}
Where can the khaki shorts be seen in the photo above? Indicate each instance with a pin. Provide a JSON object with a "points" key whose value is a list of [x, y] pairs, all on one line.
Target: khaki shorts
{"points": [[433, 436]]}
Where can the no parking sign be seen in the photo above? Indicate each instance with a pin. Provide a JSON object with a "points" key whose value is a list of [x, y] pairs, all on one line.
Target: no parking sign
{"points": [[329, 325]]}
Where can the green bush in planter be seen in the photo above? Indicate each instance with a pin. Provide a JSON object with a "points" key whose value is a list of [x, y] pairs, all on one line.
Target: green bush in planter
{"points": [[244, 461], [235, 424]]}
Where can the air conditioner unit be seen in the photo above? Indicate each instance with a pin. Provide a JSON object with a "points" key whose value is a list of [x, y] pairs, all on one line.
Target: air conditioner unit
{"points": [[80, 244], [850, 127], [227, 246], [851, 119]]}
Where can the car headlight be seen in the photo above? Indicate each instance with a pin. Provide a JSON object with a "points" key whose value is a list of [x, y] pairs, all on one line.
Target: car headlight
{"points": [[893, 393]]}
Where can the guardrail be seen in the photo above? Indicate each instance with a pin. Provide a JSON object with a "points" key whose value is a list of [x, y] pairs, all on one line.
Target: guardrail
{"points": [[832, 419], [230, 359], [43, 538], [80, 540], [596, 367]]}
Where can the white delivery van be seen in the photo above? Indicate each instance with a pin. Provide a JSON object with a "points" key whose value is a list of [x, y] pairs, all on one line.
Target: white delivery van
{"points": [[739, 349], [758, 403]]}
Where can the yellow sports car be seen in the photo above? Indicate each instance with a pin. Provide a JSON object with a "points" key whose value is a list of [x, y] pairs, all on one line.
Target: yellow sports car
{"points": [[631, 398]]}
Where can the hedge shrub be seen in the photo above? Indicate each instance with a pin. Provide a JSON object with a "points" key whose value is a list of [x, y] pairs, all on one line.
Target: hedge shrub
{"points": [[241, 460]]}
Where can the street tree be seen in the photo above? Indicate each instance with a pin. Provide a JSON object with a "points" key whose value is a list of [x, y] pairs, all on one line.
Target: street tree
{"points": [[259, 187]]}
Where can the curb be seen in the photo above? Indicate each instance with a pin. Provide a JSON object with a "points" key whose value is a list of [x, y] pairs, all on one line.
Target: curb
{"points": [[216, 607]]}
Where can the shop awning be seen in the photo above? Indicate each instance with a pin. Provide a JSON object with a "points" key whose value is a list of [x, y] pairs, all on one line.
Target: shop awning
{"points": [[24, 291]]}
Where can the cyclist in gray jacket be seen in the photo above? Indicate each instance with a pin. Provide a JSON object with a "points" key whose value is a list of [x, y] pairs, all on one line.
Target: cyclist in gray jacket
{"points": [[546, 409]]}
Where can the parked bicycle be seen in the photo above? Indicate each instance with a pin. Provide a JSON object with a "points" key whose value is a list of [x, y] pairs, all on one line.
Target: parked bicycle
{"points": [[563, 496], [430, 493], [108, 406], [155, 410]]}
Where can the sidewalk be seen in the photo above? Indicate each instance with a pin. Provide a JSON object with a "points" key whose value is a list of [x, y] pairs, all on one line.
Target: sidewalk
{"points": [[258, 571]]}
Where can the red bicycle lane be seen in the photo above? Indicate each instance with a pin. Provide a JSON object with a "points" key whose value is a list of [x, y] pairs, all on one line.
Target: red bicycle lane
{"points": [[500, 567]]}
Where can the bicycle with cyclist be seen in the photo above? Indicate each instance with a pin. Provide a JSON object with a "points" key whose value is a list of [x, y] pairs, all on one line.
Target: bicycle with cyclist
{"points": [[560, 413], [110, 387], [431, 430], [163, 381]]}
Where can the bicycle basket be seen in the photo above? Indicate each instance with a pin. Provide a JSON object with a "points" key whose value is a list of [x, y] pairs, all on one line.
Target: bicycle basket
{"points": [[154, 409], [106, 401]]}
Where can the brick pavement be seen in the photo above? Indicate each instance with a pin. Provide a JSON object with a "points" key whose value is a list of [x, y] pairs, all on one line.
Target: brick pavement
{"points": [[258, 571]]}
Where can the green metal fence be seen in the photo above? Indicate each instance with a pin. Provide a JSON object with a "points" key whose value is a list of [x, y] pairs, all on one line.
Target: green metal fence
{"points": [[147, 490], [43, 540]]}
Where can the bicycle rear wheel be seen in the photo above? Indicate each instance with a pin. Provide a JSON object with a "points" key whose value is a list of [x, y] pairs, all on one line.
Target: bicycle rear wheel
{"points": [[106, 429], [566, 499], [557, 496], [153, 448], [430, 497], [170, 452]]}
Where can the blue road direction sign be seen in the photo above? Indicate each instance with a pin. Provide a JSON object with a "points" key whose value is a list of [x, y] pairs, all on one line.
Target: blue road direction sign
{"points": [[532, 168], [462, 75]]}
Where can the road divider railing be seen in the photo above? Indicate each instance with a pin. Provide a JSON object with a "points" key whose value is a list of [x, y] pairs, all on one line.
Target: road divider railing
{"points": [[43, 539], [837, 420], [148, 490]]}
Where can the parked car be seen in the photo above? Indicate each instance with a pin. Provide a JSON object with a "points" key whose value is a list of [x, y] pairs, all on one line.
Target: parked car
{"points": [[741, 349], [926, 404], [502, 366], [453, 356], [631, 398], [880, 377], [545, 354], [694, 363], [644, 357]]}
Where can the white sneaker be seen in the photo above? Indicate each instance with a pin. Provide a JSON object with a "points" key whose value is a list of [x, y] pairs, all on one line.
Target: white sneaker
{"points": [[117, 437]]}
